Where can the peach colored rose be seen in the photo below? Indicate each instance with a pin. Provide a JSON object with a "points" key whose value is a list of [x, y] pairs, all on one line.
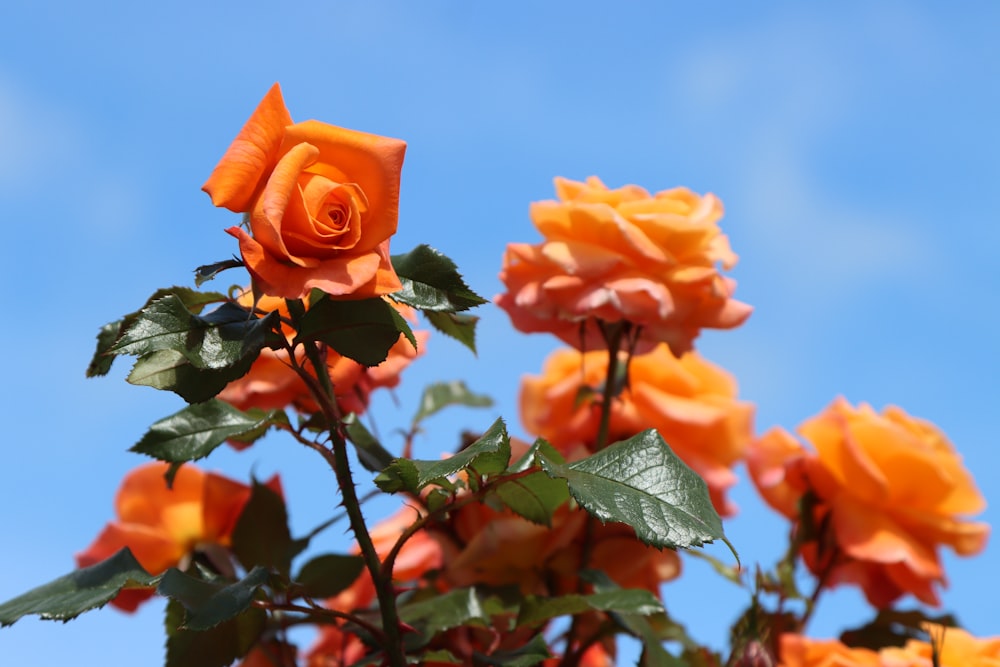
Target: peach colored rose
{"points": [[890, 489], [271, 382], [799, 651], [957, 648], [691, 402], [622, 255], [164, 526], [322, 202]]}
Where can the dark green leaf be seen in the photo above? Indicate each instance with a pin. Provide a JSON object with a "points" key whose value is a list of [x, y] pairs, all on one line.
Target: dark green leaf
{"points": [[488, 455], [196, 430], [207, 272], [103, 357], [363, 330], [265, 420], [641, 483], [82, 590], [440, 395], [170, 370], [261, 536], [214, 341], [101, 362], [537, 610], [459, 326], [431, 282], [325, 576], [532, 653], [217, 647], [210, 604], [372, 455], [444, 612]]}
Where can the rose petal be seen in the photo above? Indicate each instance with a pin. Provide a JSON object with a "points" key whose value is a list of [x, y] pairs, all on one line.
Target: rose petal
{"points": [[240, 173]]}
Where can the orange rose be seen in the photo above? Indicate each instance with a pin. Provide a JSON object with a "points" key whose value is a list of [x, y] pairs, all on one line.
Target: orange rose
{"points": [[889, 488], [163, 526], [691, 402], [622, 255], [799, 651], [957, 648], [322, 203]]}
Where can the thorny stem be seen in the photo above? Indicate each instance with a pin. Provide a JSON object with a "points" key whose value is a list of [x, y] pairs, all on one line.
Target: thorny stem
{"points": [[336, 457]]}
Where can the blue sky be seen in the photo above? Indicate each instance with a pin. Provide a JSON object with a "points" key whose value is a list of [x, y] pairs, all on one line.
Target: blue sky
{"points": [[854, 145]]}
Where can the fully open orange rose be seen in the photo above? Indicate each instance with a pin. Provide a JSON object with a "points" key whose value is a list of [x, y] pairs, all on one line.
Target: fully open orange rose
{"points": [[322, 202], [691, 402], [163, 526], [889, 490], [799, 651], [622, 255]]}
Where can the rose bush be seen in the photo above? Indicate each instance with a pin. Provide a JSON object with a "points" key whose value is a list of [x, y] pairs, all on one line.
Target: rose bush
{"points": [[690, 401], [885, 491], [622, 255], [164, 525], [321, 201]]}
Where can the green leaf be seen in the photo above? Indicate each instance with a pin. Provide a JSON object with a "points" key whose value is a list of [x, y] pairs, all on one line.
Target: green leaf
{"points": [[534, 497], [261, 536], [217, 647], [88, 588], [431, 282], [488, 455], [170, 370], [214, 341], [325, 576], [459, 326], [537, 610], [209, 604], [641, 483], [195, 431], [363, 330], [103, 357], [400, 475], [440, 395], [444, 612], [372, 455], [207, 272], [532, 653]]}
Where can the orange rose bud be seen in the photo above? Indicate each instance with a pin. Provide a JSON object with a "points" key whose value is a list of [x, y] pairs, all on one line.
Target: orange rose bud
{"points": [[162, 526], [623, 255], [690, 401], [323, 202], [890, 488]]}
